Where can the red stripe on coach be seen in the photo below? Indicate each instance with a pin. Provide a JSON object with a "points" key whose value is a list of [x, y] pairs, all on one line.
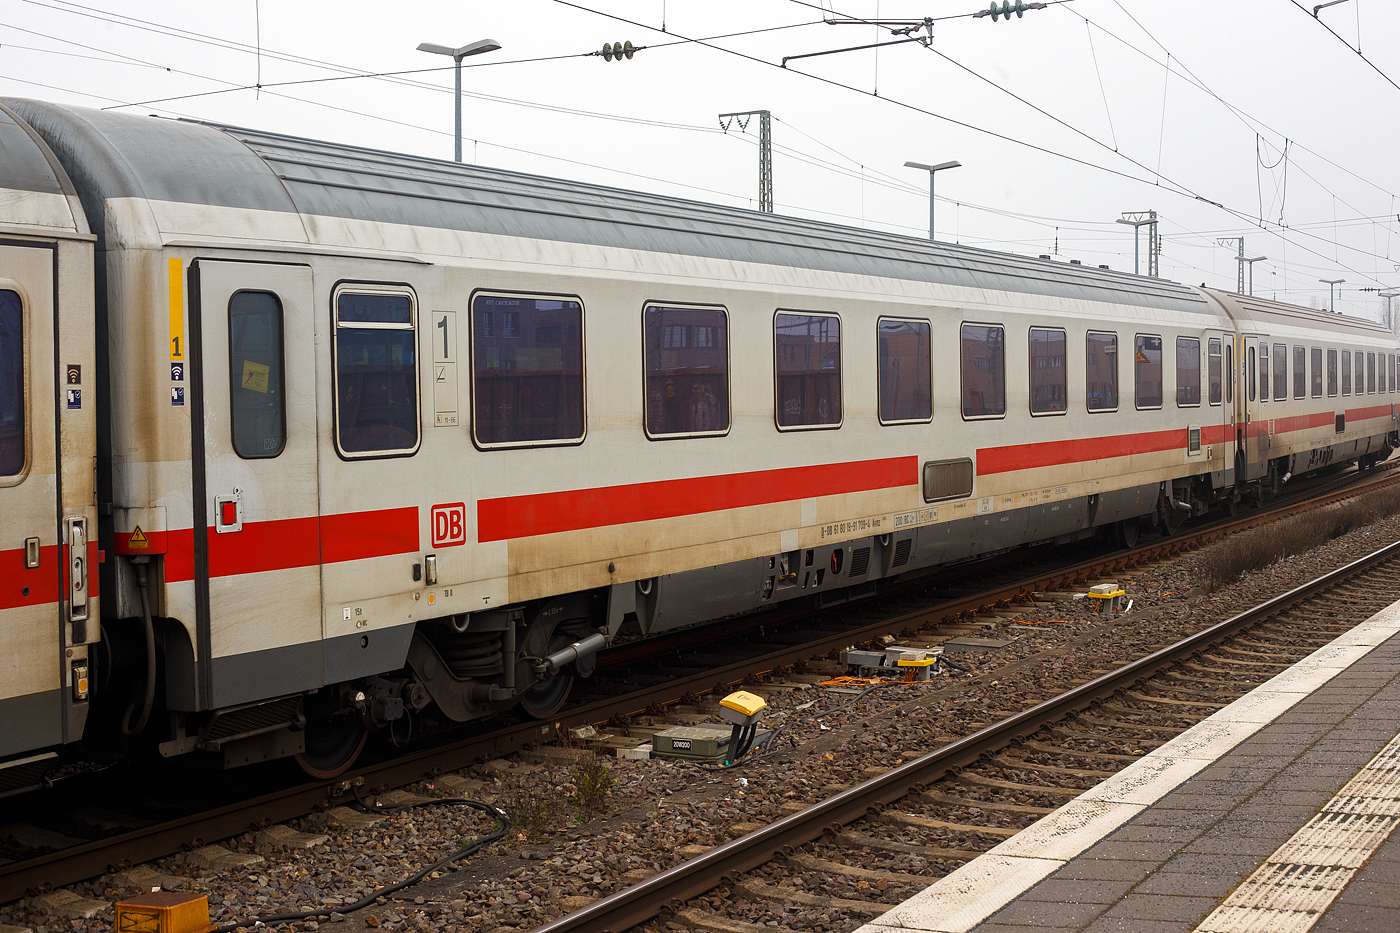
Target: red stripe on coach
{"points": [[296, 542], [576, 509], [1080, 450]]}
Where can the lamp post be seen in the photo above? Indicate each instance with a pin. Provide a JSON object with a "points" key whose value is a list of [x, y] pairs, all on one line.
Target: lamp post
{"points": [[474, 48], [931, 169], [1332, 292], [1250, 262]]}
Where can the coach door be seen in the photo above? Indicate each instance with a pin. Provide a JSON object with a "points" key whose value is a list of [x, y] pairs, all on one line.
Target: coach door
{"points": [[31, 566], [262, 567], [1249, 423]]}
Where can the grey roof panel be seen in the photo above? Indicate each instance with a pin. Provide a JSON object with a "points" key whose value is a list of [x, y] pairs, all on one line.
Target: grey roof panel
{"points": [[23, 163], [205, 163]]}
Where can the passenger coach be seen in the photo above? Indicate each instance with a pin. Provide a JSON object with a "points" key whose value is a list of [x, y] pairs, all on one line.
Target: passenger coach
{"points": [[383, 442]]}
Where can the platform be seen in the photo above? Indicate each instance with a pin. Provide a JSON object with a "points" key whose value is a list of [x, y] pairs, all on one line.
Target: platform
{"points": [[1275, 814]]}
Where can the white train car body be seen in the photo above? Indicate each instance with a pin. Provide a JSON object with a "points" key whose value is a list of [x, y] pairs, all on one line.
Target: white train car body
{"points": [[389, 431]]}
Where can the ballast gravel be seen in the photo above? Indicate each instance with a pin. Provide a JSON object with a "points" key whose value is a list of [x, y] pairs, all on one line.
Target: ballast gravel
{"points": [[657, 813]]}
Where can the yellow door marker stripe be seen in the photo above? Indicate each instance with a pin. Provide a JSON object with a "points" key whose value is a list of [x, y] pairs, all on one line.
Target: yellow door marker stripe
{"points": [[177, 311]]}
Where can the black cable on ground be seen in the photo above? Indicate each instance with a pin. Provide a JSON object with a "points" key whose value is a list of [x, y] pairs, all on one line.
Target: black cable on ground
{"points": [[370, 898]]}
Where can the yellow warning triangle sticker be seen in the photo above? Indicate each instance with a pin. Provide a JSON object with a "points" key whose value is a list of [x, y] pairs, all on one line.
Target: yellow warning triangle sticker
{"points": [[137, 539]]}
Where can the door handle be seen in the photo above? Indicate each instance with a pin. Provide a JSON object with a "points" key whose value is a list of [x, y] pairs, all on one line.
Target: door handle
{"points": [[77, 569], [31, 552]]}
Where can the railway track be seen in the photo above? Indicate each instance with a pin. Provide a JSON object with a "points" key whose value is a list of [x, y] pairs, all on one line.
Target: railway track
{"points": [[918, 821], [156, 836]]}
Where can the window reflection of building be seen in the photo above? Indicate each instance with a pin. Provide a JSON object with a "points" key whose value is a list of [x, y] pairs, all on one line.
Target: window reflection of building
{"points": [[687, 370], [527, 369], [983, 370], [904, 352], [807, 349]]}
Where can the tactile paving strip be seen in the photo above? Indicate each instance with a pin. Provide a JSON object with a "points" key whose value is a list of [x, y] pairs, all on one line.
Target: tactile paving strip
{"points": [[1292, 889]]}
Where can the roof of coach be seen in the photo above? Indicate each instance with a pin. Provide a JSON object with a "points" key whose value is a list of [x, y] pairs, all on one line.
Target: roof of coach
{"points": [[207, 163], [27, 166], [1265, 313]]}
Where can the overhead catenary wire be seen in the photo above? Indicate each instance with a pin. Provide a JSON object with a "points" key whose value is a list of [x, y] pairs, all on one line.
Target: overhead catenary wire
{"points": [[867, 174]]}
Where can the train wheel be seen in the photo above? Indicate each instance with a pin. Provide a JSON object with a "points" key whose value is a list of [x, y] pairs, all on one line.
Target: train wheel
{"points": [[1232, 506], [1172, 520], [332, 745], [547, 697], [1128, 530]]}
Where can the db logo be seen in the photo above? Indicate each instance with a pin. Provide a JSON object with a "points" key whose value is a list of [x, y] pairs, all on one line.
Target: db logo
{"points": [[449, 524]]}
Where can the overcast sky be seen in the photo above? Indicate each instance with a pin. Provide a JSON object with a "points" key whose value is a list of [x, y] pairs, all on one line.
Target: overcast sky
{"points": [[1227, 118]]}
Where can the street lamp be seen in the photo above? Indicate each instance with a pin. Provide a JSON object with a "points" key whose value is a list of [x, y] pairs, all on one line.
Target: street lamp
{"points": [[1251, 263], [1331, 291], [475, 48], [931, 169]]}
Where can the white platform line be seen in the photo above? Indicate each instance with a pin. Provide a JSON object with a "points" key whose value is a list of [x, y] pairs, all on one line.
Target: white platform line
{"points": [[964, 898]]}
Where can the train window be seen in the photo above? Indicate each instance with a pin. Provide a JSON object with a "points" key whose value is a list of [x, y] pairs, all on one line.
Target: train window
{"points": [[1331, 372], [257, 404], [1392, 372], [1370, 374], [1280, 372], [1249, 377], [686, 356], [983, 371], [1188, 371], [1101, 371], [527, 370], [1300, 372], [807, 370], [1213, 379], [1049, 378], [12, 447], [1317, 372], [1263, 372], [376, 371], [1346, 372], [1229, 373], [906, 371], [1147, 371]]}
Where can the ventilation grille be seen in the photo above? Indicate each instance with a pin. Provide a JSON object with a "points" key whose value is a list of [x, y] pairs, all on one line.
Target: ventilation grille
{"points": [[1193, 440], [1341, 423], [947, 479], [860, 562], [261, 717], [901, 552]]}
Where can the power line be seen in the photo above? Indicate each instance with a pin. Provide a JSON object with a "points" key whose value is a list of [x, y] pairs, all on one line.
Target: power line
{"points": [[1374, 66]]}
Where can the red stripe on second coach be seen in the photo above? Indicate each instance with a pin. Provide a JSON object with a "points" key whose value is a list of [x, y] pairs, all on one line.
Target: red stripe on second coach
{"points": [[576, 509]]}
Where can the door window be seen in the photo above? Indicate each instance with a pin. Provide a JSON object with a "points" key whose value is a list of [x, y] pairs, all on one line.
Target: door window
{"points": [[11, 383], [1213, 370], [376, 371], [256, 393], [1263, 372]]}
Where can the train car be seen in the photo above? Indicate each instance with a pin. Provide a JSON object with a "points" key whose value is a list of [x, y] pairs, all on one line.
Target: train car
{"points": [[49, 607], [396, 443]]}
